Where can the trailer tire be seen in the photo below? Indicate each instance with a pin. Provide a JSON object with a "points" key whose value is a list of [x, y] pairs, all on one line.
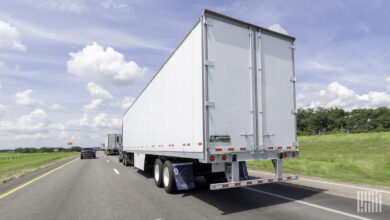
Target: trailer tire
{"points": [[126, 161], [158, 168], [168, 178], [119, 158]]}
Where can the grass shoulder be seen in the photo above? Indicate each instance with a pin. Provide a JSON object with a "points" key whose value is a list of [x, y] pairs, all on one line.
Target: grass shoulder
{"points": [[360, 158]]}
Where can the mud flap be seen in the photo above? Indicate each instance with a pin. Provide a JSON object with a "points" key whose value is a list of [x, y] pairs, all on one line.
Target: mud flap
{"points": [[184, 176]]}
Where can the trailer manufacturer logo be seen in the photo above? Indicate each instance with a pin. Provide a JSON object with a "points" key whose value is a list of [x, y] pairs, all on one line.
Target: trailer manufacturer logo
{"points": [[220, 138], [369, 201]]}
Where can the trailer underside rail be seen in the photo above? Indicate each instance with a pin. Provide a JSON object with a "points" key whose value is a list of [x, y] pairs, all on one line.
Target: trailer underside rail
{"points": [[251, 182]]}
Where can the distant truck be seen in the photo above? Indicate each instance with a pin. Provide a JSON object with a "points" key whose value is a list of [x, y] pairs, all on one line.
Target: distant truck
{"points": [[225, 96], [113, 144]]}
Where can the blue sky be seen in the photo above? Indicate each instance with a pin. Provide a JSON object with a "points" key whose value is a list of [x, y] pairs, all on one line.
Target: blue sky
{"points": [[69, 68]]}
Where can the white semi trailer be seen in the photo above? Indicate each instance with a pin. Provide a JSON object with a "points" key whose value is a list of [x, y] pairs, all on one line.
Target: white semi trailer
{"points": [[225, 96], [112, 144]]}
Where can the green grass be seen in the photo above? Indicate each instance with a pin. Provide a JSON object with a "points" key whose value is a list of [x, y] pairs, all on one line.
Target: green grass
{"points": [[18, 164], [360, 158]]}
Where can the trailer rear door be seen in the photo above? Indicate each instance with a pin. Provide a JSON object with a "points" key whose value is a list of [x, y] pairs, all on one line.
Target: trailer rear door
{"points": [[229, 80]]}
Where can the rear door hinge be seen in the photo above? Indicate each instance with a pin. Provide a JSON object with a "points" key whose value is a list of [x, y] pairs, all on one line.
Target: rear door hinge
{"points": [[208, 63], [210, 104]]}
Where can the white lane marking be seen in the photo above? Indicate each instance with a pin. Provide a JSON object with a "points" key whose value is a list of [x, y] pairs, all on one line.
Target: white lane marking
{"points": [[116, 171], [330, 183], [308, 204], [108, 161]]}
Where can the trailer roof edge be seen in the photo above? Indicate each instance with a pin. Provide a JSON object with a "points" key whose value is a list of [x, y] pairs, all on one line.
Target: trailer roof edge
{"points": [[207, 11]]}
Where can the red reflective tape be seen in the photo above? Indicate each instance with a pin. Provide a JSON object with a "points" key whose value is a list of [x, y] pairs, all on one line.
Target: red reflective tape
{"points": [[270, 180], [188, 144], [289, 177], [280, 179], [200, 144], [260, 181], [218, 149], [243, 148], [279, 148], [288, 147], [270, 148], [231, 149], [249, 182], [225, 185], [237, 184]]}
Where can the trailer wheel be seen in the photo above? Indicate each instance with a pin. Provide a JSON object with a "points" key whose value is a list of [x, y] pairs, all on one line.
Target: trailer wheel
{"points": [[168, 178], [126, 161], [120, 158], [158, 168]]}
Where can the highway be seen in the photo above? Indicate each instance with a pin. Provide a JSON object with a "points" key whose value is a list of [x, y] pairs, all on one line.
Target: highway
{"points": [[103, 188]]}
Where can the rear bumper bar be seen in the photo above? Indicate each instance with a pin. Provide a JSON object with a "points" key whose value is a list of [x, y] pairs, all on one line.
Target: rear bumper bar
{"points": [[252, 182]]}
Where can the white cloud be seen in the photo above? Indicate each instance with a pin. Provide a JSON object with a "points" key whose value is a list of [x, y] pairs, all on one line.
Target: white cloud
{"points": [[114, 4], [9, 37], [126, 102], [36, 121], [24, 99], [278, 28], [97, 91], [95, 104], [337, 95], [57, 107], [95, 63], [75, 6]]}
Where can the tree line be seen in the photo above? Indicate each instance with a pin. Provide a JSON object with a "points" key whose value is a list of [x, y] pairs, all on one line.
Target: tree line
{"points": [[43, 149], [335, 120]]}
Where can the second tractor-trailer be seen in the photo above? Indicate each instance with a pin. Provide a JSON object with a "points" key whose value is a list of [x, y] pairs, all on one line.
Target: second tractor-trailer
{"points": [[113, 144], [225, 96]]}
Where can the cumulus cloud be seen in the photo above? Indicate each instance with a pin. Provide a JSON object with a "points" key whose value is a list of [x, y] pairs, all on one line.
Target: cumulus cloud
{"points": [[24, 99], [36, 121], [337, 95], [57, 107], [126, 102], [95, 104], [98, 91], [75, 6], [278, 28], [105, 65], [9, 37]]}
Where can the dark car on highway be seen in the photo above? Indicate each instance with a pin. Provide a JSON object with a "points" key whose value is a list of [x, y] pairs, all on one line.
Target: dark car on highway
{"points": [[87, 153]]}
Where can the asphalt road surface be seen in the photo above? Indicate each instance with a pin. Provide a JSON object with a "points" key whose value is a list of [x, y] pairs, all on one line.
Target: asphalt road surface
{"points": [[103, 188]]}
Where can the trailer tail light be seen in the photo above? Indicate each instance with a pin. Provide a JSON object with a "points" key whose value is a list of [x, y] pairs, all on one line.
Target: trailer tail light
{"points": [[212, 158], [280, 179], [289, 177], [224, 157], [231, 149], [285, 154], [188, 144], [293, 154], [200, 144]]}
